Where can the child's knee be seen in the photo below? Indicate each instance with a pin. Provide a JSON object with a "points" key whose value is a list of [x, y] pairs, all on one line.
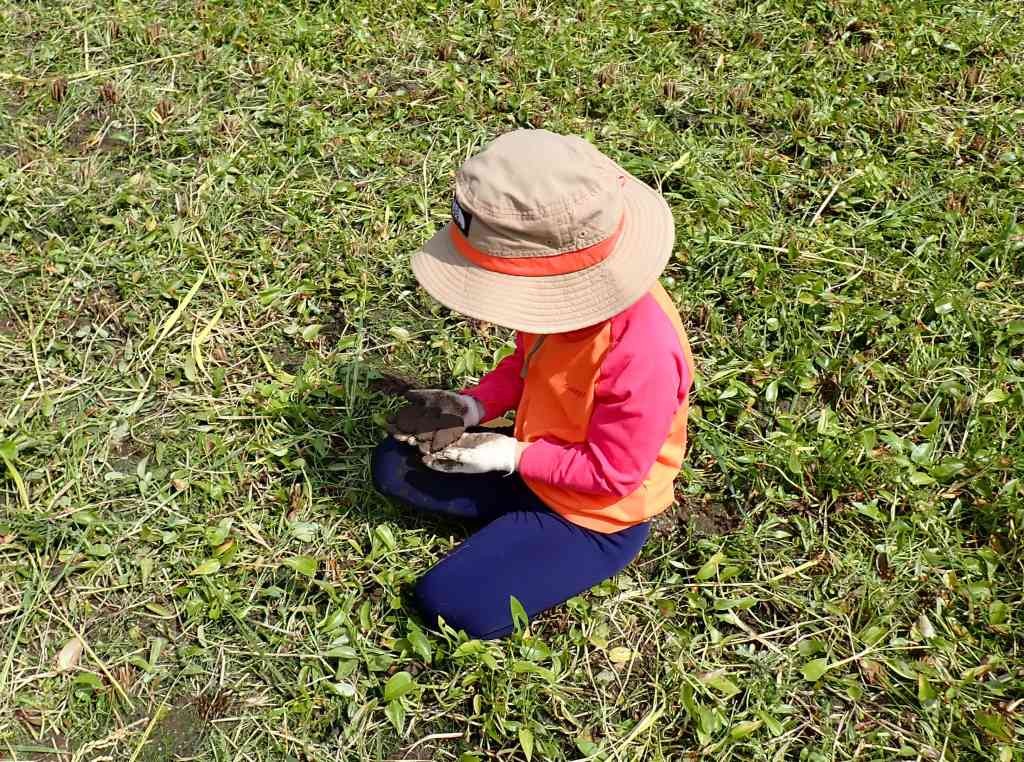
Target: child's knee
{"points": [[437, 596], [387, 467]]}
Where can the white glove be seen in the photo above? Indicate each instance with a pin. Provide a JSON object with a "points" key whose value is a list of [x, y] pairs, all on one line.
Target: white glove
{"points": [[478, 454]]}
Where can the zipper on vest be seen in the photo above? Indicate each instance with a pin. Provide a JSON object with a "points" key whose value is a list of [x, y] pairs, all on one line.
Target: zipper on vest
{"points": [[533, 350]]}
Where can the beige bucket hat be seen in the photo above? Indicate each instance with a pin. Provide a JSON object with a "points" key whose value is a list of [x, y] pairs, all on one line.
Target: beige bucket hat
{"points": [[547, 235]]}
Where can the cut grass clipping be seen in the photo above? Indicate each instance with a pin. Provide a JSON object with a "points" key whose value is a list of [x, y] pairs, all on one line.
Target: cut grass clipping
{"points": [[206, 211]]}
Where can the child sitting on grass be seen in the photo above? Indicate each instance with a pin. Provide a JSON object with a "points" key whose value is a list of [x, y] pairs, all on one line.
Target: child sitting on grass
{"points": [[554, 240]]}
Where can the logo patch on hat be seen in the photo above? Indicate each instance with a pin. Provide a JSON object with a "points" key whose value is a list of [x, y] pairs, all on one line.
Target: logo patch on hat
{"points": [[461, 217]]}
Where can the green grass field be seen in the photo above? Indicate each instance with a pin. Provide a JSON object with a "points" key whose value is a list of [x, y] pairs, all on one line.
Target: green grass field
{"points": [[206, 211]]}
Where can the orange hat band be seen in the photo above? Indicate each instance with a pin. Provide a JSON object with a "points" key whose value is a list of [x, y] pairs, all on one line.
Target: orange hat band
{"points": [[532, 267]]}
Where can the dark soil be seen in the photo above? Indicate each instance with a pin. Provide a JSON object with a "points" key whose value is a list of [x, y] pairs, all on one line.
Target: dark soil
{"points": [[182, 731], [393, 384], [433, 429], [705, 517], [179, 733]]}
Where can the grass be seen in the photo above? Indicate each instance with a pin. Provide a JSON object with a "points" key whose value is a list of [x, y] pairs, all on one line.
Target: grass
{"points": [[206, 212]]}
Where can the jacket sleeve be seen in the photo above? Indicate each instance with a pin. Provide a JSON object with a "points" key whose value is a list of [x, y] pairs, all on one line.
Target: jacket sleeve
{"points": [[637, 396], [500, 390]]}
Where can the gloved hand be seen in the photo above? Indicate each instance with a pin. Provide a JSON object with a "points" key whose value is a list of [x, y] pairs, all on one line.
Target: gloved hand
{"points": [[478, 454], [435, 419]]}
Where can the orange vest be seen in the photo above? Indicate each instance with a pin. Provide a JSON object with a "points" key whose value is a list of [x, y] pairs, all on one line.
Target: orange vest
{"points": [[557, 402]]}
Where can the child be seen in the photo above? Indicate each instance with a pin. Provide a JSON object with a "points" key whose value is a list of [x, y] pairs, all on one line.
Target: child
{"points": [[551, 238]]}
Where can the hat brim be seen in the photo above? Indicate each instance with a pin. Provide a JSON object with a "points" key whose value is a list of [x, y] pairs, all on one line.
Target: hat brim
{"points": [[556, 303]]}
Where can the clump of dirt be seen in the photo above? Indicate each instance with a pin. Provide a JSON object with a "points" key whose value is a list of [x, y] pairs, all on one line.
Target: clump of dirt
{"points": [[178, 734], [706, 518], [433, 429], [393, 384], [181, 731], [87, 134]]}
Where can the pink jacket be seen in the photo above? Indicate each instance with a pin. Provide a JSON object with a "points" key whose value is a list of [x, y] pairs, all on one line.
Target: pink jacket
{"points": [[644, 379]]}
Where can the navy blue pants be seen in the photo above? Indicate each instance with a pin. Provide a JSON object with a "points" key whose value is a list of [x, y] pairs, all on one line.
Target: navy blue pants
{"points": [[523, 550]]}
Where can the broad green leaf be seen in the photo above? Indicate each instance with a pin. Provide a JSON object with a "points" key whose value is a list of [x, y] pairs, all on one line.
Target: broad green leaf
{"points": [[925, 692], [526, 742], [587, 746], [347, 690], [870, 510], [901, 667], [921, 479], [386, 536], [310, 332], [218, 534], [827, 422], [160, 610], [397, 686], [814, 669], [729, 604], [396, 713], [710, 721], [141, 663], [89, 681], [520, 620], [993, 724], [156, 648], [209, 566], [85, 518], [772, 392], [793, 461], [775, 727], [979, 590], [535, 650], [868, 440], [710, 567], [521, 666], [420, 644], [687, 699], [995, 396], [723, 685], [998, 613], [872, 634], [921, 453], [744, 729], [947, 469], [810, 647], [304, 531], [303, 565]]}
